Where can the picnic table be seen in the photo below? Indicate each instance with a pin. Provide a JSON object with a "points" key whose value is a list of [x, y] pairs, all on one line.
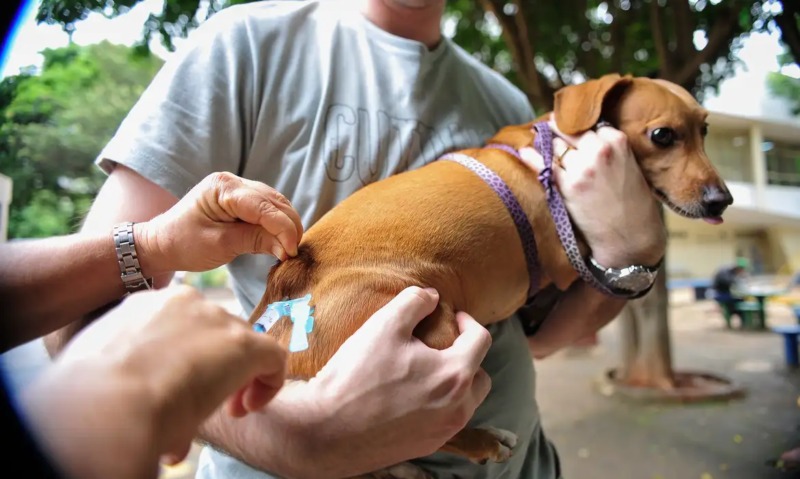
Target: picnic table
{"points": [[790, 334], [760, 293]]}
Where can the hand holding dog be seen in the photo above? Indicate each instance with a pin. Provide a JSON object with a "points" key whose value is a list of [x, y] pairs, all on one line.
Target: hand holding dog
{"points": [[137, 383], [607, 196], [221, 218], [387, 392]]}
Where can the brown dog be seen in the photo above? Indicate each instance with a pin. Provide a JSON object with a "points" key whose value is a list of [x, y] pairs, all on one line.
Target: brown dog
{"points": [[413, 229]]}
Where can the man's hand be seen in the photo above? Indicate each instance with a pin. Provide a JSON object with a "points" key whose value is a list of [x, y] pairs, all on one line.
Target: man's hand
{"points": [[612, 205], [387, 391], [384, 392], [221, 218], [607, 196], [137, 383]]}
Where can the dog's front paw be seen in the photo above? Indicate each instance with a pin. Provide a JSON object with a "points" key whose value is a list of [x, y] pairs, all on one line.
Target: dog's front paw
{"points": [[404, 470]]}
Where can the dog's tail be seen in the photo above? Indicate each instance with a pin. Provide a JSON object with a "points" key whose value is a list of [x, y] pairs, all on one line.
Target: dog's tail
{"points": [[289, 279]]}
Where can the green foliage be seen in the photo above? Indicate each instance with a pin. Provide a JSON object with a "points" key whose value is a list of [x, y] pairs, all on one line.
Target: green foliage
{"points": [[47, 214], [215, 278], [541, 46], [547, 45], [176, 19], [786, 87], [53, 125]]}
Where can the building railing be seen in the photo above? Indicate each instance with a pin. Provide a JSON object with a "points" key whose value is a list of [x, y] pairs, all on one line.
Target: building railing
{"points": [[783, 179]]}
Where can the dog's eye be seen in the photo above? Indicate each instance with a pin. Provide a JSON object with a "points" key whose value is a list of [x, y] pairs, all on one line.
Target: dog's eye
{"points": [[663, 137]]}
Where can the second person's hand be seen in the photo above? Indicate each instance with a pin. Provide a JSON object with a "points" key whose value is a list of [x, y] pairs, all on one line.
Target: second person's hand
{"points": [[138, 382], [221, 218]]}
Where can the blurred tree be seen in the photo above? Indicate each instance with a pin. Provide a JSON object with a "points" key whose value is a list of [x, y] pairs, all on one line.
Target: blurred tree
{"points": [[54, 123], [785, 86]]}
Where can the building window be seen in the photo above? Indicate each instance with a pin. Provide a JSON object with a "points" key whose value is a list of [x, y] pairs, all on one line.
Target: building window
{"points": [[783, 163], [729, 151]]}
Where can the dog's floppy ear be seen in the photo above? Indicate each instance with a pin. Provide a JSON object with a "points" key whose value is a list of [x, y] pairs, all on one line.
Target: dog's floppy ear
{"points": [[578, 107]]}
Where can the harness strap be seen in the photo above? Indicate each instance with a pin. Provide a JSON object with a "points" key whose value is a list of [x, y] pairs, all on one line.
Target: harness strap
{"points": [[543, 142], [524, 228]]}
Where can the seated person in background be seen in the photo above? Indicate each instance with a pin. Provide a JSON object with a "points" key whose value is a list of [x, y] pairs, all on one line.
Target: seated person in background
{"points": [[725, 284]]}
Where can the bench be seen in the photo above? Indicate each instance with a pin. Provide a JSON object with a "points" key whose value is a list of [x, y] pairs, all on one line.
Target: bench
{"points": [[790, 343], [699, 286], [750, 314]]}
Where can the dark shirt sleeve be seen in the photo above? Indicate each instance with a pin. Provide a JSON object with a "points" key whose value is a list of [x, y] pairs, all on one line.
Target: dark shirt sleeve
{"points": [[538, 308], [24, 453]]}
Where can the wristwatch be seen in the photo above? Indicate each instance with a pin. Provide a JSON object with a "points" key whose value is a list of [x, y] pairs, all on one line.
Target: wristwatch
{"points": [[630, 282], [129, 269]]}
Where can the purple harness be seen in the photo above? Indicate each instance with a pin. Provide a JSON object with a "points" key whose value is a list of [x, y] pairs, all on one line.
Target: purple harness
{"points": [[543, 143], [512, 205]]}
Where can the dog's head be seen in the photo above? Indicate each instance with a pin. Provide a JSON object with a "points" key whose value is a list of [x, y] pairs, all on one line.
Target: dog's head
{"points": [[666, 129]]}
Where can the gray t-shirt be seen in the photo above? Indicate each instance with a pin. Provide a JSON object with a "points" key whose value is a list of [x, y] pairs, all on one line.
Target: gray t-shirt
{"points": [[315, 101]]}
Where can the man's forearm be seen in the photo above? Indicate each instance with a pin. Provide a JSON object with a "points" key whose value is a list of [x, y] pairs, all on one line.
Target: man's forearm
{"points": [[294, 437], [49, 283], [53, 285], [274, 439], [581, 311]]}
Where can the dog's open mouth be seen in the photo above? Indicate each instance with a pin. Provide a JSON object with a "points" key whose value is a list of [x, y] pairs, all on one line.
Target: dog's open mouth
{"points": [[694, 213]]}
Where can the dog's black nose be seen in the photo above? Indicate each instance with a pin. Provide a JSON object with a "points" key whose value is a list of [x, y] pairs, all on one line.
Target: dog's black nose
{"points": [[715, 200]]}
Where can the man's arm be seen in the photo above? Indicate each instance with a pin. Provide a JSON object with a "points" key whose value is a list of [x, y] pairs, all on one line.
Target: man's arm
{"points": [[627, 230], [38, 287], [350, 419], [218, 219], [580, 311], [98, 275], [95, 388]]}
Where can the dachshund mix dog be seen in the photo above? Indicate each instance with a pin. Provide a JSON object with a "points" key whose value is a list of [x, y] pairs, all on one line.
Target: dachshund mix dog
{"points": [[433, 227]]}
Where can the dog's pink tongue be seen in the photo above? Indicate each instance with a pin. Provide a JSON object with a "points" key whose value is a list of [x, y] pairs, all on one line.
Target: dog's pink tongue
{"points": [[714, 220]]}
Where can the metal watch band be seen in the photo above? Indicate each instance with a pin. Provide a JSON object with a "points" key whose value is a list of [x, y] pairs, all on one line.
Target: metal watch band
{"points": [[130, 271]]}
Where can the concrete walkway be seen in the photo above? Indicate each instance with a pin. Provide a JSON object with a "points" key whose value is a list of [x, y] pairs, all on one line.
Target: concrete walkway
{"points": [[600, 437], [607, 438]]}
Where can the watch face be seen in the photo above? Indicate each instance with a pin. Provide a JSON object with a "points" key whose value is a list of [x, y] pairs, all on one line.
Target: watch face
{"points": [[634, 281]]}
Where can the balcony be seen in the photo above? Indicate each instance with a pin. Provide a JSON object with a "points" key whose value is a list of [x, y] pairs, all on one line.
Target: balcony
{"points": [[760, 161]]}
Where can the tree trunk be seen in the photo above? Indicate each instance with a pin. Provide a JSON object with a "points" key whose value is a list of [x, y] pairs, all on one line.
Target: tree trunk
{"points": [[645, 342]]}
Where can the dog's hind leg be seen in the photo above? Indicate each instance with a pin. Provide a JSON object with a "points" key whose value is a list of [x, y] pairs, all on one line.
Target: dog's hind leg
{"points": [[439, 330], [482, 445]]}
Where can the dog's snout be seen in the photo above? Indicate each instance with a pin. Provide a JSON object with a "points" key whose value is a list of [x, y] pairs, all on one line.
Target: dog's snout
{"points": [[715, 200]]}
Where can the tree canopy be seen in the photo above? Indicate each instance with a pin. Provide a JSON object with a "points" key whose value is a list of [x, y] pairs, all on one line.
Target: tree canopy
{"points": [[542, 46], [53, 124]]}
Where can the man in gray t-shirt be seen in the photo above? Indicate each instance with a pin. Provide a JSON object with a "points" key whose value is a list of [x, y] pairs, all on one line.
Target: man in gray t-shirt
{"points": [[318, 99]]}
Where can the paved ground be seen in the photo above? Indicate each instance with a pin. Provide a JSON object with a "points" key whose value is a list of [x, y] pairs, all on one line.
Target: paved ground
{"points": [[607, 438], [600, 437]]}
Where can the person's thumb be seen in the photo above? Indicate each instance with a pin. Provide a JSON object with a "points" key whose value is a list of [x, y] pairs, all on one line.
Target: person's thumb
{"points": [[406, 310], [253, 239]]}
